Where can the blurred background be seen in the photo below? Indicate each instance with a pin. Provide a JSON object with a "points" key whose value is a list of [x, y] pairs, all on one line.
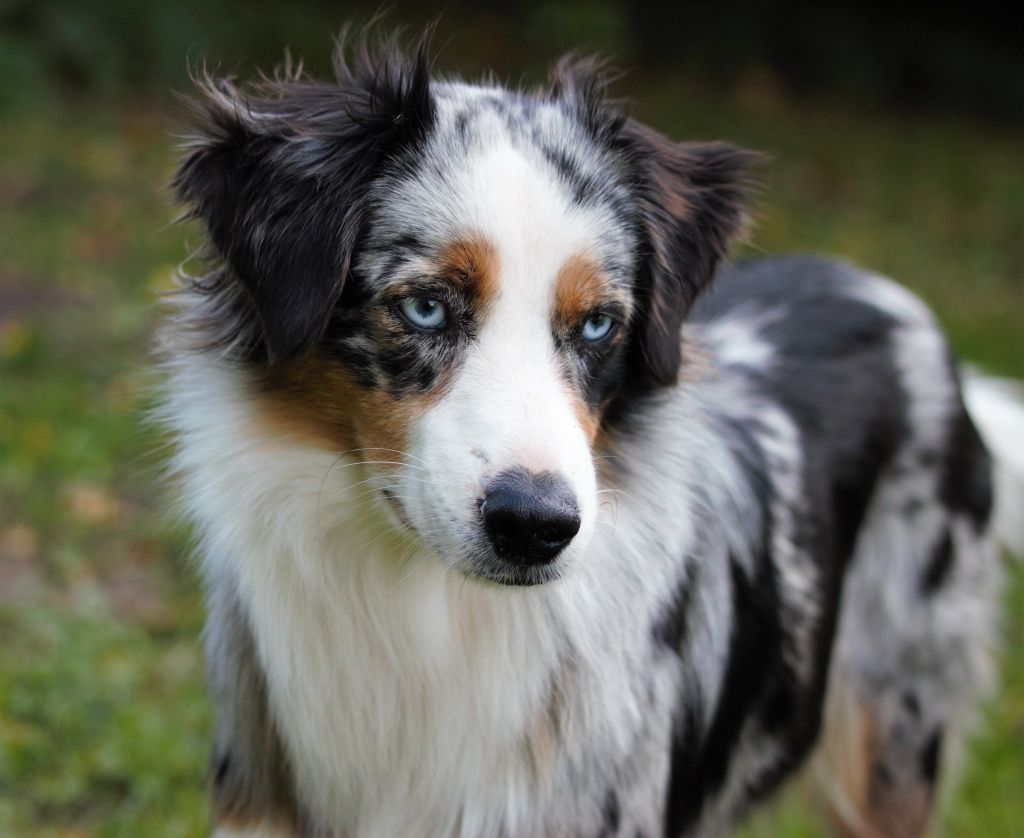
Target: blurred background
{"points": [[897, 141]]}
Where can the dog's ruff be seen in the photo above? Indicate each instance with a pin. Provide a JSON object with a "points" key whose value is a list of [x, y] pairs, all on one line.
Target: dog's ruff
{"points": [[784, 543]]}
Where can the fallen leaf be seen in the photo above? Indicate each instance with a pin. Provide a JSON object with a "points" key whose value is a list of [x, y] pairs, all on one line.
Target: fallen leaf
{"points": [[90, 504]]}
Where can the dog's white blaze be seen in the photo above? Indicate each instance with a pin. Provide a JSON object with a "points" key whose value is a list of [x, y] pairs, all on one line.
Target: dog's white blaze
{"points": [[509, 405]]}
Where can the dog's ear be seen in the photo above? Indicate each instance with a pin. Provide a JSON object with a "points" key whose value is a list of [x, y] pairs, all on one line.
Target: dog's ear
{"points": [[278, 172], [690, 201], [692, 206]]}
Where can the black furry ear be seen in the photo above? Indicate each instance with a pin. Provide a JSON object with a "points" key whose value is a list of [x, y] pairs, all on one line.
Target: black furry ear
{"points": [[692, 207], [582, 82], [278, 172], [690, 202]]}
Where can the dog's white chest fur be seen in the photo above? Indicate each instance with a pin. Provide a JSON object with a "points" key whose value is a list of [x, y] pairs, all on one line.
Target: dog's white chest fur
{"points": [[400, 690], [404, 694], [409, 699]]}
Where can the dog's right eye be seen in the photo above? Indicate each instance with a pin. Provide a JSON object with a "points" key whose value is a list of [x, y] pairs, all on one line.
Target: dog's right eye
{"points": [[424, 313]]}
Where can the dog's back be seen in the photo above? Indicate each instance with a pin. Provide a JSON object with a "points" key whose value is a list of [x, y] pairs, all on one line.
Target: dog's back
{"points": [[893, 491]]}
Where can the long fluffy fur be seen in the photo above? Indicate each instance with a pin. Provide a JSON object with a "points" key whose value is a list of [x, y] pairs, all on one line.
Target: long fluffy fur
{"points": [[784, 543]]}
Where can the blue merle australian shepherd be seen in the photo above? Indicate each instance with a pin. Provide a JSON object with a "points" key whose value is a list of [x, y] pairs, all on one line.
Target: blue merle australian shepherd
{"points": [[523, 515]]}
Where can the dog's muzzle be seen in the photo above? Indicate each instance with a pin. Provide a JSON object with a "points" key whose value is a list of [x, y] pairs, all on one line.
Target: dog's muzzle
{"points": [[529, 518]]}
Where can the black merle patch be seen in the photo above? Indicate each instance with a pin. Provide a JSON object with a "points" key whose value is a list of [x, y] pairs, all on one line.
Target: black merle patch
{"points": [[912, 704], [754, 661], [583, 189], [966, 476], [671, 627], [221, 767], [611, 815], [939, 565], [931, 756]]}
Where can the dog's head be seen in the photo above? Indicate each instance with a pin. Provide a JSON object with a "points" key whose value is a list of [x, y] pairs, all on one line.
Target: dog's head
{"points": [[455, 283]]}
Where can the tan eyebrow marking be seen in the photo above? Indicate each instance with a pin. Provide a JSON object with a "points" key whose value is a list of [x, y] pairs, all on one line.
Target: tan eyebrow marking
{"points": [[471, 262], [580, 287]]}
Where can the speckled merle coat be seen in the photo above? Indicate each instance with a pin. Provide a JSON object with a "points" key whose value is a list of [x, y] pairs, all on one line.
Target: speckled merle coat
{"points": [[511, 524]]}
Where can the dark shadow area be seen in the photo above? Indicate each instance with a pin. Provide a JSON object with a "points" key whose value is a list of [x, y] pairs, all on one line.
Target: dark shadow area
{"points": [[959, 58]]}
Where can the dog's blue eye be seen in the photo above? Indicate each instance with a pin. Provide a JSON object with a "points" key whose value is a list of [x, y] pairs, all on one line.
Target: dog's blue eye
{"points": [[423, 312], [596, 327]]}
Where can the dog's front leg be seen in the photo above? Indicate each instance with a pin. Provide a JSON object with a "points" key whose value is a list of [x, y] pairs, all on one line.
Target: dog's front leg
{"points": [[252, 793]]}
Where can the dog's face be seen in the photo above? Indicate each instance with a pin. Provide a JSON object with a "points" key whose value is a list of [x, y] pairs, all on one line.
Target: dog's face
{"points": [[454, 284]]}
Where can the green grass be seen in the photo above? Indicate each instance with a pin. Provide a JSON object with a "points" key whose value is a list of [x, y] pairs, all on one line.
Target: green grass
{"points": [[103, 720]]}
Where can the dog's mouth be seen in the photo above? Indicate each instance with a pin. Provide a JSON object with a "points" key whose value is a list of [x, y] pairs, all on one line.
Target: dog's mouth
{"points": [[491, 570]]}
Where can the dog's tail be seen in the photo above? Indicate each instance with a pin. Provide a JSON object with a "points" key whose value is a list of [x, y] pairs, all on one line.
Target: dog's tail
{"points": [[997, 407]]}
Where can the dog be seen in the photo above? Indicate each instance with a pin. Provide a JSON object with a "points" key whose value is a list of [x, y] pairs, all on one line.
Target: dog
{"points": [[513, 522]]}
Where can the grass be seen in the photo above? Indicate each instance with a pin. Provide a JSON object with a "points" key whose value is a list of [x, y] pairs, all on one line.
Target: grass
{"points": [[103, 719]]}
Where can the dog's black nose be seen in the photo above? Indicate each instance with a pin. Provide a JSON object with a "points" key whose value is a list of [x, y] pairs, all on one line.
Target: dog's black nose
{"points": [[529, 518]]}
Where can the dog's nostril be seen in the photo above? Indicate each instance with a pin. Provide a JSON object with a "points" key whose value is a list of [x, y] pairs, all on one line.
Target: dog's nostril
{"points": [[529, 518]]}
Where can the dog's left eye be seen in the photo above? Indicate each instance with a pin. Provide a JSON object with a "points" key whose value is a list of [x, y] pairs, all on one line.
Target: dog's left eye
{"points": [[596, 327], [423, 312]]}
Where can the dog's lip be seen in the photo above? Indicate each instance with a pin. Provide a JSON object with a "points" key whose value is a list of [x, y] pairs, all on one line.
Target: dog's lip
{"points": [[511, 576]]}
